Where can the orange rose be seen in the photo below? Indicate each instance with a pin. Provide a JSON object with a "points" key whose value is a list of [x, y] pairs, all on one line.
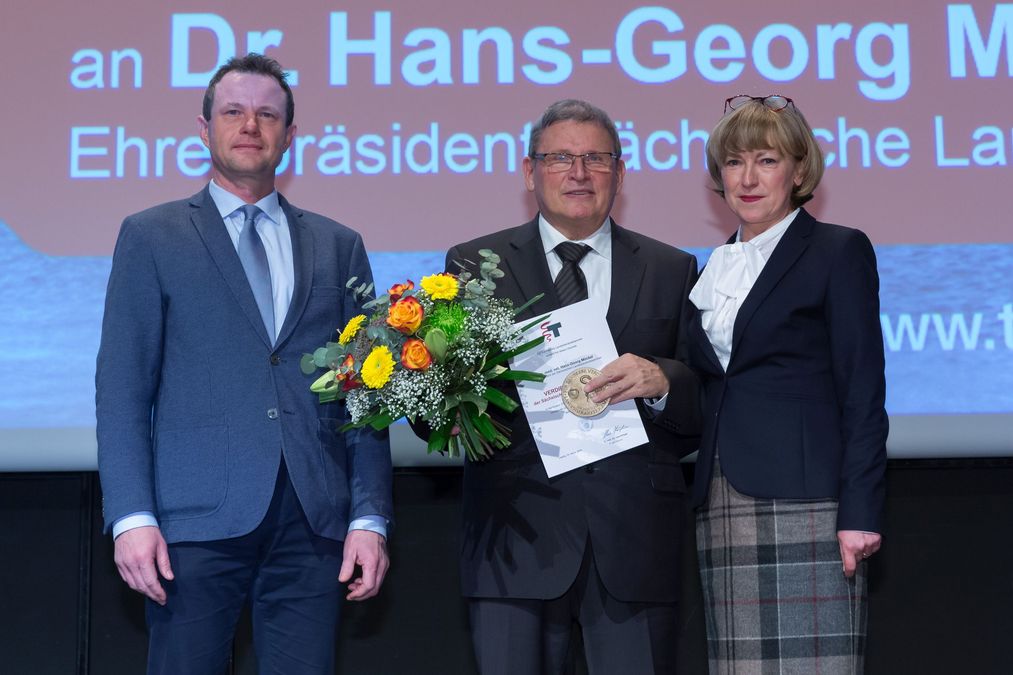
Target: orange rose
{"points": [[405, 315], [414, 355], [397, 290]]}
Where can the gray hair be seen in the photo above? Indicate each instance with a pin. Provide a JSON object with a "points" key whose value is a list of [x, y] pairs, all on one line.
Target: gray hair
{"points": [[574, 110]]}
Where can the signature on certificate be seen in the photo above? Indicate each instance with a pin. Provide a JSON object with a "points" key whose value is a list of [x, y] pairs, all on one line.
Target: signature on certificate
{"points": [[615, 433]]}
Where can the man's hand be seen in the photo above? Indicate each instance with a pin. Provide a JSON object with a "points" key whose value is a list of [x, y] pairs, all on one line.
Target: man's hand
{"points": [[137, 552], [368, 550], [856, 545], [628, 377]]}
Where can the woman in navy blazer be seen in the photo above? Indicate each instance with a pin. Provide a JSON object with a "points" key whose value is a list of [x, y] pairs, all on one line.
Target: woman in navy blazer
{"points": [[790, 474]]}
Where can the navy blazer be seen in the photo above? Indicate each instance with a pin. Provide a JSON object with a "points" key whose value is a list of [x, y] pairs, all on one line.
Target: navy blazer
{"points": [[195, 408], [525, 534], [799, 413]]}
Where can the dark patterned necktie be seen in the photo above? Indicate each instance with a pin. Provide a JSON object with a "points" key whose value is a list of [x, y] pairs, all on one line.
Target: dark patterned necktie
{"points": [[571, 286], [258, 272]]}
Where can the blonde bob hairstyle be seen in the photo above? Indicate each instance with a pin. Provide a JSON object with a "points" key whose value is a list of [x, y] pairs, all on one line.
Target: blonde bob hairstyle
{"points": [[754, 126]]}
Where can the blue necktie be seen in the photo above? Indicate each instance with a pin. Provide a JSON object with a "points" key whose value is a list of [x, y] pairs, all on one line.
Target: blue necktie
{"points": [[571, 286], [258, 272]]}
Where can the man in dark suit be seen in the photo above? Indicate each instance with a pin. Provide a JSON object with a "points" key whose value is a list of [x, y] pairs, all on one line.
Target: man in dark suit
{"points": [[220, 471], [598, 546]]}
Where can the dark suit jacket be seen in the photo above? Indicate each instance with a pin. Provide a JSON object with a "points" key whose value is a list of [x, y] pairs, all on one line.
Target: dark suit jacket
{"points": [[524, 535], [195, 407], [799, 413]]}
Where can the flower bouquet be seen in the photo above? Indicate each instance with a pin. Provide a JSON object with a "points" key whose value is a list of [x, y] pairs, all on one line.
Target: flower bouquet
{"points": [[429, 354]]}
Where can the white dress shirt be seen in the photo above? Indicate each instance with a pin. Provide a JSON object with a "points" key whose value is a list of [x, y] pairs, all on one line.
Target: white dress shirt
{"points": [[596, 266]]}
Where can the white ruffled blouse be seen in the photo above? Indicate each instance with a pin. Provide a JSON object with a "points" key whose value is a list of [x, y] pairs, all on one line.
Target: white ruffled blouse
{"points": [[727, 279]]}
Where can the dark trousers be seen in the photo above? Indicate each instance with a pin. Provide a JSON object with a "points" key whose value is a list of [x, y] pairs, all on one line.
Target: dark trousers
{"points": [[527, 637], [287, 573]]}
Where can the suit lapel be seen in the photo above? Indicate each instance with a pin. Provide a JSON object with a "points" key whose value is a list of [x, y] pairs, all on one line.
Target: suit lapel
{"points": [[211, 228], [627, 275], [528, 268], [702, 344], [787, 251], [302, 261]]}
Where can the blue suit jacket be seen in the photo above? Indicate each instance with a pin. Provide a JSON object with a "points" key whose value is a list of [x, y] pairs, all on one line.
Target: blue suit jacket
{"points": [[799, 412], [195, 408]]}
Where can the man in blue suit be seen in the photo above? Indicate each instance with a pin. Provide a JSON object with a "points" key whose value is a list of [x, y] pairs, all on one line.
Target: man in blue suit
{"points": [[221, 473]]}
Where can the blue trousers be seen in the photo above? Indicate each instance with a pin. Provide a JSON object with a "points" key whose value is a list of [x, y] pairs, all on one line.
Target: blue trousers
{"points": [[287, 573]]}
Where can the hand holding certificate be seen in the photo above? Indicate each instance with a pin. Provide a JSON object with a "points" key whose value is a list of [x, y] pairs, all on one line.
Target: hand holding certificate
{"points": [[577, 345]]}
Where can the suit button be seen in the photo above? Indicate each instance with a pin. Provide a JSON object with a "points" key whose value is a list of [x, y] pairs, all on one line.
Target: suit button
{"points": [[275, 359], [589, 469], [272, 414]]}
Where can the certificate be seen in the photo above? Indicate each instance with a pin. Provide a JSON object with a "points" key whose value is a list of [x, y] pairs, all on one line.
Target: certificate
{"points": [[575, 337]]}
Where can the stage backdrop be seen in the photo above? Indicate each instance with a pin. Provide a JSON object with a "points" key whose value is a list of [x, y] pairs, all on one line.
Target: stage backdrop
{"points": [[412, 121]]}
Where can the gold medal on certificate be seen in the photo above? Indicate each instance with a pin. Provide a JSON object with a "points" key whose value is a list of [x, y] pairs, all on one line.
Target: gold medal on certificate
{"points": [[576, 399]]}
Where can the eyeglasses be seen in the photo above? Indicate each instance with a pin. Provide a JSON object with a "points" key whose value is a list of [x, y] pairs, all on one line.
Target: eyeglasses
{"points": [[558, 162], [774, 102]]}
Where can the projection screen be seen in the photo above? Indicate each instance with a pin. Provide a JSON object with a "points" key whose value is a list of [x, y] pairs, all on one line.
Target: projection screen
{"points": [[412, 122]]}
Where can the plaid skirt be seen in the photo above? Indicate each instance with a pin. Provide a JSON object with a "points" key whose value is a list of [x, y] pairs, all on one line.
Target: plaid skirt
{"points": [[775, 597]]}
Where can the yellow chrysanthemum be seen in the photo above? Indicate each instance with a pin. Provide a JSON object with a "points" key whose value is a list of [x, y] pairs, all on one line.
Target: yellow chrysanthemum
{"points": [[377, 367], [351, 328], [440, 286]]}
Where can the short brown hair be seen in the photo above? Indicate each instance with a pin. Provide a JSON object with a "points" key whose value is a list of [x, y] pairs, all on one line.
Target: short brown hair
{"points": [[257, 64], [754, 126]]}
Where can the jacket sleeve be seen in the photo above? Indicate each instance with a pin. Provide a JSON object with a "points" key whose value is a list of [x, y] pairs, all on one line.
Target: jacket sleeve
{"points": [[682, 414], [856, 343], [370, 471], [127, 375]]}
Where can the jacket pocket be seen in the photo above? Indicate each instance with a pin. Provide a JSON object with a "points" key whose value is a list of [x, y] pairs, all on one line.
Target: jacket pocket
{"points": [[191, 470]]}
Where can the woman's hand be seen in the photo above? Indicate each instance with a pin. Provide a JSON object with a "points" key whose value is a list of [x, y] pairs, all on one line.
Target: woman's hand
{"points": [[855, 547]]}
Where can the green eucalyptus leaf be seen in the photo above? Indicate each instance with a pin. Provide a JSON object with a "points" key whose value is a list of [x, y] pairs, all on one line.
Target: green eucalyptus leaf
{"points": [[490, 256], [307, 365], [320, 357]]}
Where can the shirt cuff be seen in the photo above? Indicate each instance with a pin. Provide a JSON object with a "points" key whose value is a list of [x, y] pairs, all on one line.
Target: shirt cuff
{"points": [[376, 524], [134, 520], [656, 404]]}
